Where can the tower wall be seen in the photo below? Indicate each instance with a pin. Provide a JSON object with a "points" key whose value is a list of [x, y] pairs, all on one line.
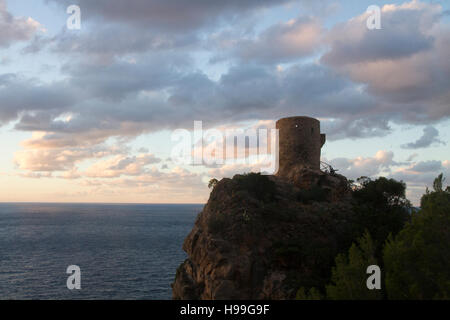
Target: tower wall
{"points": [[300, 142]]}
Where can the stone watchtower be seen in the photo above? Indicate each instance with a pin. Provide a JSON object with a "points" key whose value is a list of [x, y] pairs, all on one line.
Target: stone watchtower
{"points": [[300, 142]]}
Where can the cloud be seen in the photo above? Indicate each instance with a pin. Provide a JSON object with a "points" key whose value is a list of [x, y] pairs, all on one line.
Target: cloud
{"points": [[169, 15], [121, 165], [282, 42], [429, 137], [421, 174], [412, 157], [416, 175], [144, 66], [36, 175], [125, 99], [19, 94], [364, 166], [175, 186], [356, 127], [5, 61], [229, 170], [134, 70], [14, 29], [113, 28], [404, 65], [43, 159], [50, 160], [98, 160], [162, 88], [404, 32], [105, 42], [426, 166]]}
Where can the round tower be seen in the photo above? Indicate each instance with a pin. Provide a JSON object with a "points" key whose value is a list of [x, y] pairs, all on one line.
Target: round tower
{"points": [[300, 142]]}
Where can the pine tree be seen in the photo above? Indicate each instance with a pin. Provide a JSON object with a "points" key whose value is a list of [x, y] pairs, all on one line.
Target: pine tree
{"points": [[349, 276]]}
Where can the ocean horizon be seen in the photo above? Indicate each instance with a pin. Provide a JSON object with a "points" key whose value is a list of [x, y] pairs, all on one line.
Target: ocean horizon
{"points": [[124, 251]]}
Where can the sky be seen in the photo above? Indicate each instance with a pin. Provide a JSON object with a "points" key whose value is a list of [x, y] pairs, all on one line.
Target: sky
{"points": [[87, 115]]}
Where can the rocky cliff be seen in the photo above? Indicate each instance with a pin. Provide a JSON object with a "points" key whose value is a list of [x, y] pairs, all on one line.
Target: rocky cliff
{"points": [[264, 237]]}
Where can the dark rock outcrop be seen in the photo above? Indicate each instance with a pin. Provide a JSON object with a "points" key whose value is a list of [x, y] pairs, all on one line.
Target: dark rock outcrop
{"points": [[264, 237]]}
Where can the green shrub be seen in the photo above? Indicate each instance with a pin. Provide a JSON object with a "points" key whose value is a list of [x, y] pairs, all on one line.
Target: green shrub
{"points": [[314, 194], [381, 193], [258, 186], [212, 183], [381, 208]]}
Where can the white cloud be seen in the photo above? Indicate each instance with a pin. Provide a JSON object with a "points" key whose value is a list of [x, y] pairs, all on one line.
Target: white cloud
{"points": [[364, 166], [121, 166]]}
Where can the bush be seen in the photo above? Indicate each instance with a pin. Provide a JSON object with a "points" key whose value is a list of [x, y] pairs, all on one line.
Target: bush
{"points": [[314, 194], [212, 183], [381, 208], [381, 193], [258, 186]]}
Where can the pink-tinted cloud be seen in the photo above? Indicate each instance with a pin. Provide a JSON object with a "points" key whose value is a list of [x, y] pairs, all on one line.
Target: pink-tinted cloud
{"points": [[14, 29]]}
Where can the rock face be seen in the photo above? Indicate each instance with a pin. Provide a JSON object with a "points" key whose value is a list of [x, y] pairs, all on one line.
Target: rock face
{"points": [[263, 237]]}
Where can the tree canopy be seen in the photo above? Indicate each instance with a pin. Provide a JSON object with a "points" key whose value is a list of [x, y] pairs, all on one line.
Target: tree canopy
{"points": [[414, 255]]}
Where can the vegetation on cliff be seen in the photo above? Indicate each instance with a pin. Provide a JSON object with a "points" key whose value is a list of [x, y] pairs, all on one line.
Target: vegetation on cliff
{"points": [[260, 237], [415, 263], [349, 275]]}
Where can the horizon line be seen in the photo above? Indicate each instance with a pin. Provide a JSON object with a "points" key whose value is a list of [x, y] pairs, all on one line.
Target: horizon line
{"points": [[105, 203]]}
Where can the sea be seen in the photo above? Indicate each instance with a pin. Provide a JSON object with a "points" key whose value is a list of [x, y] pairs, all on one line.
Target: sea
{"points": [[123, 251]]}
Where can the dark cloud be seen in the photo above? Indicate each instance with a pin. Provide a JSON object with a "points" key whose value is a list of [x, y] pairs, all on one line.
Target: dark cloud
{"points": [[115, 81], [419, 175], [404, 32], [168, 15], [18, 95], [104, 42], [283, 42], [160, 88], [412, 157], [404, 65], [430, 136], [357, 127], [126, 99], [427, 166], [115, 28]]}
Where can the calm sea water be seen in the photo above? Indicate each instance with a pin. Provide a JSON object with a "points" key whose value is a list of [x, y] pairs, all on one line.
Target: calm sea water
{"points": [[124, 251]]}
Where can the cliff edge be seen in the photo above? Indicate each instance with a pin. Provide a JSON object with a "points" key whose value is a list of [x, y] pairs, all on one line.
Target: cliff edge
{"points": [[264, 237]]}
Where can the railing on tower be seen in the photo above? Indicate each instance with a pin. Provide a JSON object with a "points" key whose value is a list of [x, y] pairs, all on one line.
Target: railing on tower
{"points": [[327, 168]]}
